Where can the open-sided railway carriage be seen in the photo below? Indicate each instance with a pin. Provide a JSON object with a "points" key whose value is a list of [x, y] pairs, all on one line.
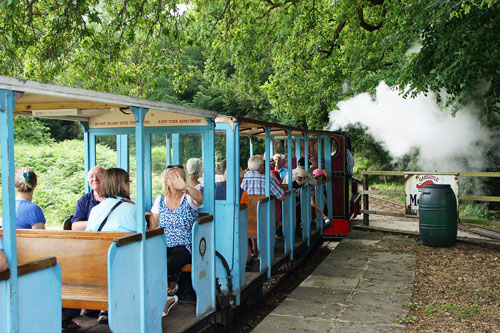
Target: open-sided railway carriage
{"points": [[134, 290]]}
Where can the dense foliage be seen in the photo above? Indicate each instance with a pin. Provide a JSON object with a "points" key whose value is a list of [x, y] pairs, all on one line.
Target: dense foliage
{"points": [[285, 60], [296, 58], [59, 168]]}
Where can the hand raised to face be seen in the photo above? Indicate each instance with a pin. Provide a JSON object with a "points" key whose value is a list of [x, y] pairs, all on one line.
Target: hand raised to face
{"points": [[176, 181]]}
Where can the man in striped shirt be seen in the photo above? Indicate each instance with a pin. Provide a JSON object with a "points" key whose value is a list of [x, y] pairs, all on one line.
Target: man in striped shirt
{"points": [[254, 181]]}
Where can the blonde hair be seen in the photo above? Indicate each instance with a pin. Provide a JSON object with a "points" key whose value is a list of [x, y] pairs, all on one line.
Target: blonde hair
{"points": [[25, 179], [164, 179], [112, 183]]}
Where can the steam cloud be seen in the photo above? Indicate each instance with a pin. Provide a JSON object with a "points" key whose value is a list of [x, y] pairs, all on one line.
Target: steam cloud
{"points": [[446, 143]]}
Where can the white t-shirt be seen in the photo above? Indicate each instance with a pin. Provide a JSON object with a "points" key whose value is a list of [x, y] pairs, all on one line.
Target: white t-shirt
{"points": [[156, 206]]}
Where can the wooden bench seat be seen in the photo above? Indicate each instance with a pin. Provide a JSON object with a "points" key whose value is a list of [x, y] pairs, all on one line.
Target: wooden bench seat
{"points": [[85, 297], [83, 257], [252, 214]]}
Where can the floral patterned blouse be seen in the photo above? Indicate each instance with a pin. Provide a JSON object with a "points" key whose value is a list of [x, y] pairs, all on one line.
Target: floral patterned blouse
{"points": [[178, 223]]}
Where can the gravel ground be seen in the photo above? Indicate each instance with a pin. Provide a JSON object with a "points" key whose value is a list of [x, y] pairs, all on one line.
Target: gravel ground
{"points": [[457, 289]]}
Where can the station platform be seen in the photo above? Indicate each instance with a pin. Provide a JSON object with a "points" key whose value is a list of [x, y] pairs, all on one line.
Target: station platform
{"points": [[364, 284]]}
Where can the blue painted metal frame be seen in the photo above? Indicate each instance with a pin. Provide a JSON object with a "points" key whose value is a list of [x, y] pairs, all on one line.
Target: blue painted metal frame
{"points": [[307, 193], [291, 207], [125, 286], [328, 168], [139, 115], [35, 295], [204, 273], [7, 104], [231, 235], [168, 148], [270, 214], [89, 159], [175, 148], [148, 169], [122, 152], [318, 193]]}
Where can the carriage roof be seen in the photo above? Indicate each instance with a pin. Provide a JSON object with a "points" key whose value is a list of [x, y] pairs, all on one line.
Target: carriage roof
{"points": [[256, 128], [68, 103]]}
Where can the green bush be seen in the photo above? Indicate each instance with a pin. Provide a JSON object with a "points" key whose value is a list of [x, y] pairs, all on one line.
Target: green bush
{"points": [[31, 130], [60, 171]]}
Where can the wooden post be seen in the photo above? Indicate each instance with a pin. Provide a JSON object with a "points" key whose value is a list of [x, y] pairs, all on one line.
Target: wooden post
{"points": [[366, 217]]}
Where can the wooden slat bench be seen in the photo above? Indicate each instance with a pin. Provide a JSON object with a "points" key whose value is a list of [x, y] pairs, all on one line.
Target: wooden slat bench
{"points": [[252, 214], [83, 257], [252, 219]]}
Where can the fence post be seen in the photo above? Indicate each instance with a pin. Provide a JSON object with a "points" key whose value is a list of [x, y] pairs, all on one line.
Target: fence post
{"points": [[366, 217]]}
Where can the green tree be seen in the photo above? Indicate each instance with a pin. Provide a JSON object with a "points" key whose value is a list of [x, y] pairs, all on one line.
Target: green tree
{"points": [[308, 55]]}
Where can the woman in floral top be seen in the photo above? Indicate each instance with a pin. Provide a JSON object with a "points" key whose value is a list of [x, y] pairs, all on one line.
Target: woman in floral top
{"points": [[176, 211]]}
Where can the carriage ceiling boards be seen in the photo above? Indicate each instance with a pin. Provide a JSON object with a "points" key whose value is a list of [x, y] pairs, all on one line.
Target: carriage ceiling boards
{"points": [[101, 110]]}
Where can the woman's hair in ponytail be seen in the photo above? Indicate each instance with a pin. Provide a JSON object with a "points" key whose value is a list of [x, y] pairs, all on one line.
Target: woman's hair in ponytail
{"points": [[25, 179]]}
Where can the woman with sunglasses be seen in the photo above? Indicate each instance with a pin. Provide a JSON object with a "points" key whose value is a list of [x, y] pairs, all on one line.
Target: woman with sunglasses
{"points": [[176, 211]]}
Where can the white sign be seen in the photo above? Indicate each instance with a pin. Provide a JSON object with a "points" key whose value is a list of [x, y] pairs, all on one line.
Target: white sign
{"points": [[153, 118], [415, 183]]}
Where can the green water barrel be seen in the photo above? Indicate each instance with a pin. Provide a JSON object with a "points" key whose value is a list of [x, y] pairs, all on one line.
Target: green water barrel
{"points": [[437, 209]]}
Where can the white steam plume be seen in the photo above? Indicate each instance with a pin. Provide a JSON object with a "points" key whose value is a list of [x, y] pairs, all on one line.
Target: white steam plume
{"points": [[446, 143]]}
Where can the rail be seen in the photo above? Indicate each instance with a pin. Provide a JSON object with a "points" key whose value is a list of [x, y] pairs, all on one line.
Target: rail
{"points": [[366, 193]]}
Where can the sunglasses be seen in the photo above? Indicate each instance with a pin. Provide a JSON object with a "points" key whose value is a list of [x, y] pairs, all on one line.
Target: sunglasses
{"points": [[171, 166], [299, 178]]}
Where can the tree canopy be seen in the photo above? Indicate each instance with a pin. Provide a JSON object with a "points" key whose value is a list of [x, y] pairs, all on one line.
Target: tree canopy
{"points": [[289, 60]]}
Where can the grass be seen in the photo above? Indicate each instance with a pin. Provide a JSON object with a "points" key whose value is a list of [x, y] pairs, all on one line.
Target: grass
{"points": [[407, 320]]}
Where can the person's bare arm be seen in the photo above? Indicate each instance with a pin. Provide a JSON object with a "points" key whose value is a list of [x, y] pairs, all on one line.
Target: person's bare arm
{"points": [[195, 194], [3, 262], [154, 221], [79, 226], [39, 225]]}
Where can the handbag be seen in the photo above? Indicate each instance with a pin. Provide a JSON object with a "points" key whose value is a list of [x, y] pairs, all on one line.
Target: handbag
{"points": [[111, 210]]}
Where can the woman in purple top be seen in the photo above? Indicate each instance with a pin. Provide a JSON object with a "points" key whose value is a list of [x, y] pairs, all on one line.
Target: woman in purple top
{"points": [[176, 211], [28, 215]]}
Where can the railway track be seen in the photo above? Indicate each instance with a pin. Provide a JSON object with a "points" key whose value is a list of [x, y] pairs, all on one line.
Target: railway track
{"points": [[480, 230], [394, 207], [386, 205]]}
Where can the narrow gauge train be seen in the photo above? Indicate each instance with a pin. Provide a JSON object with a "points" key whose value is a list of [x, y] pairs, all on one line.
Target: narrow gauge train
{"points": [[125, 273]]}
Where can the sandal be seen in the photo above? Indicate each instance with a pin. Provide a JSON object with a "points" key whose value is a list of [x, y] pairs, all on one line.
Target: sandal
{"points": [[69, 324], [171, 305], [326, 220], [172, 292]]}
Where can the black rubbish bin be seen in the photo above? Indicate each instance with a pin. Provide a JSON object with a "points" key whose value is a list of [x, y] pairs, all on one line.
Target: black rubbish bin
{"points": [[437, 209]]}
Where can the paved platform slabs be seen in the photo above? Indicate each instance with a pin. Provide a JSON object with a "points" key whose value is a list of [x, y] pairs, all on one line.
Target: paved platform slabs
{"points": [[365, 284]]}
